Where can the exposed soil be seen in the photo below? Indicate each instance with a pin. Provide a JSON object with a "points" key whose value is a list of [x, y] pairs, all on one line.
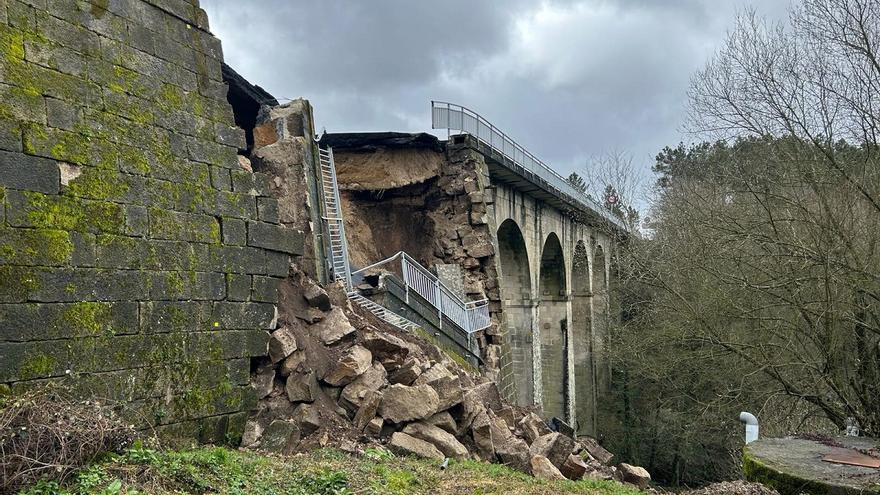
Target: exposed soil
{"points": [[382, 169]]}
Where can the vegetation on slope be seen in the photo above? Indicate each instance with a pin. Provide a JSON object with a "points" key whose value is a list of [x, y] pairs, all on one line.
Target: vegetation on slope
{"points": [[324, 472]]}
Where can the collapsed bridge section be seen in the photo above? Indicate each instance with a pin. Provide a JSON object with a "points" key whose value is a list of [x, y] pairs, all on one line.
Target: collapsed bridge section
{"points": [[492, 222]]}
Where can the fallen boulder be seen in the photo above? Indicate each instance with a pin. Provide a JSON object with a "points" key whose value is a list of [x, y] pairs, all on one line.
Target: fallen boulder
{"points": [[292, 363], [263, 381], [510, 450], [308, 418], [407, 373], [374, 427], [481, 432], [352, 364], [441, 439], [333, 328], [282, 344], [636, 475], [544, 469], [316, 296], [595, 450], [446, 384], [253, 430], [369, 406], [554, 446], [280, 436], [372, 380], [404, 444], [574, 468], [401, 403], [388, 349], [299, 387], [533, 427], [444, 421], [487, 394]]}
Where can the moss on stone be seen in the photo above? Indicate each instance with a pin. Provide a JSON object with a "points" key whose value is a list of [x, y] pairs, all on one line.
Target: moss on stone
{"points": [[98, 183], [17, 282], [37, 365], [135, 159], [787, 484], [176, 286], [171, 97], [50, 212], [87, 318], [12, 46], [68, 213]]}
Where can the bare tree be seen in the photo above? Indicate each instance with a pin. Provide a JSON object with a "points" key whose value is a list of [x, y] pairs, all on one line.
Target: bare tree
{"points": [[784, 229], [615, 181], [761, 283]]}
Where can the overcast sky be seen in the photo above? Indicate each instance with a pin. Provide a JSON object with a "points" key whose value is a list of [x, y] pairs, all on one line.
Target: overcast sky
{"points": [[567, 79]]}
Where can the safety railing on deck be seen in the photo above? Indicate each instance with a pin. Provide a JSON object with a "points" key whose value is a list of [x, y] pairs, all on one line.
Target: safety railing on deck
{"points": [[469, 316], [456, 117]]}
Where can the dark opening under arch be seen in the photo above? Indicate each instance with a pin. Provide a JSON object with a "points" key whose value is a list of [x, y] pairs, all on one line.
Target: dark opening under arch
{"points": [[516, 294]]}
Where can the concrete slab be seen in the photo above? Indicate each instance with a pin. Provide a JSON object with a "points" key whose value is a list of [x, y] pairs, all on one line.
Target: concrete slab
{"points": [[795, 465]]}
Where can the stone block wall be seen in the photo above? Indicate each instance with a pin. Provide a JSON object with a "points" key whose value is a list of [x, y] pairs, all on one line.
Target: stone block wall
{"points": [[137, 260]]}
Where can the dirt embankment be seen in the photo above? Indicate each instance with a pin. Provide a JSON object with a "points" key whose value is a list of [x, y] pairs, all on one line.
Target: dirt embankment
{"points": [[383, 169]]}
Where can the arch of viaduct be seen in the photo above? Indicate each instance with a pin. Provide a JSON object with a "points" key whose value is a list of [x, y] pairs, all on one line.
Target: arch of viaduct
{"points": [[546, 275], [554, 277]]}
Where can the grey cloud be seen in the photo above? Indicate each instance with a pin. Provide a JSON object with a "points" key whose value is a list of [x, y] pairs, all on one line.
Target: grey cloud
{"points": [[568, 79]]}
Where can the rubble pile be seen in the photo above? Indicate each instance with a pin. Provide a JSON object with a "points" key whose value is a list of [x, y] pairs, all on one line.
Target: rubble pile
{"points": [[336, 376]]}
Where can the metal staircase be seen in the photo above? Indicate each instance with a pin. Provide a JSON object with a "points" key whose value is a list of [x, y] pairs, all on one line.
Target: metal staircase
{"points": [[466, 317], [335, 229]]}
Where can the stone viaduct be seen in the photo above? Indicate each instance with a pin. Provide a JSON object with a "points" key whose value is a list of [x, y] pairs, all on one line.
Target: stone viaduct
{"points": [[539, 250], [152, 203]]}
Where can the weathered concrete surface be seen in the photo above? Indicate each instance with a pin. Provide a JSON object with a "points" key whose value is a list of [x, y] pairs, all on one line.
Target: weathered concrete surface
{"points": [[793, 465]]}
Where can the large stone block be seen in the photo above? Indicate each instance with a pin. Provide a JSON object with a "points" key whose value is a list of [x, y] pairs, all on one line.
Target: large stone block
{"points": [[265, 289], [175, 225], [275, 238], [401, 403], [404, 444], [30, 173], [242, 315], [61, 321]]}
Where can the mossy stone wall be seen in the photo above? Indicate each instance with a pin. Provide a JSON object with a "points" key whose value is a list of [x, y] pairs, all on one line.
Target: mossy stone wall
{"points": [[137, 260]]}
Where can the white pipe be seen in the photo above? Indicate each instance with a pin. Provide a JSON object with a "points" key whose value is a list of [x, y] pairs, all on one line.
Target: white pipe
{"points": [[751, 423]]}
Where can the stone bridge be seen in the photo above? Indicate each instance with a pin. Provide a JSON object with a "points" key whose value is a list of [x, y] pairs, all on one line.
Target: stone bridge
{"points": [[540, 252]]}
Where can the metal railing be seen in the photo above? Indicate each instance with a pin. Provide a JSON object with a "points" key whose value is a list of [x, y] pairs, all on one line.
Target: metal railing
{"points": [[450, 116], [335, 226], [382, 312], [469, 316]]}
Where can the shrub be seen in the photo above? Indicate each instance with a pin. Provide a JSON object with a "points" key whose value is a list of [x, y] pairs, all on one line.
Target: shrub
{"points": [[46, 436]]}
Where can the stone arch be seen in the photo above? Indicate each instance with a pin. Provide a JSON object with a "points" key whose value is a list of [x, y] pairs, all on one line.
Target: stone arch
{"points": [[516, 295], [582, 342], [553, 321]]}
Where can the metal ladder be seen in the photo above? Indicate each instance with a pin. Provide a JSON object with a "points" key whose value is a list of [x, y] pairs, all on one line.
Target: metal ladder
{"points": [[339, 265], [335, 227]]}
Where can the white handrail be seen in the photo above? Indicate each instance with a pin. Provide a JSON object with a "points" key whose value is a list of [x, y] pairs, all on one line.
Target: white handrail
{"points": [[451, 116], [470, 316]]}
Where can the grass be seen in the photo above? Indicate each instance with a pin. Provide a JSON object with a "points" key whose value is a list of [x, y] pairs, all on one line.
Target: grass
{"points": [[323, 472]]}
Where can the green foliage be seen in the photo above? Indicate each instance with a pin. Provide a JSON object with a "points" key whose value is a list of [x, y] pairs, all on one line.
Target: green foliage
{"points": [[321, 472], [757, 276], [577, 182]]}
